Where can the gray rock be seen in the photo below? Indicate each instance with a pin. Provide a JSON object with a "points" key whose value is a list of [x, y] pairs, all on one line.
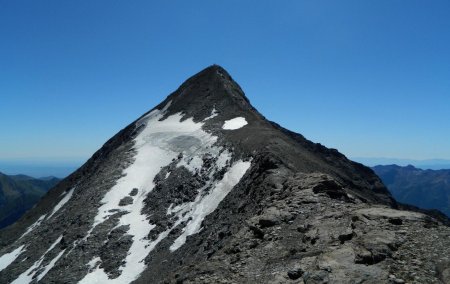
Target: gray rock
{"points": [[295, 273], [126, 201], [134, 192], [317, 277]]}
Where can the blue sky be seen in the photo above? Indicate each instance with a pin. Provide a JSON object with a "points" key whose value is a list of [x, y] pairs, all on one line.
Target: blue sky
{"points": [[370, 78]]}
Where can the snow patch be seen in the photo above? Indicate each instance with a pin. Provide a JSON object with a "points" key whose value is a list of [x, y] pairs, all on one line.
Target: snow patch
{"points": [[8, 258], [58, 240], [223, 159], [214, 113], [169, 210], [50, 265], [62, 202], [33, 226], [94, 262], [234, 123]]}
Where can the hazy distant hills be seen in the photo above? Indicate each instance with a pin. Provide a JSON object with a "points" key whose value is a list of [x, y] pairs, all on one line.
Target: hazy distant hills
{"points": [[19, 193], [429, 189], [38, 168], [429, 164]]}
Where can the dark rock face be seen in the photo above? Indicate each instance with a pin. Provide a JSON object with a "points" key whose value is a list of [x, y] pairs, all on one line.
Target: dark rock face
{"points": [[176, 197], [295, 274]]}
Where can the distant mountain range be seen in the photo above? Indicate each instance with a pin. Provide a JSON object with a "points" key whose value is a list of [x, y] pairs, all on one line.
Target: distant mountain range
{"points": [[19, 193], [37, 168], [428, 189], [429, 164]]}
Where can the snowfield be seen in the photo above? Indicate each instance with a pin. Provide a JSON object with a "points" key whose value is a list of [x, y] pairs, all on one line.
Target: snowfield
{"points": [[159, 143]]}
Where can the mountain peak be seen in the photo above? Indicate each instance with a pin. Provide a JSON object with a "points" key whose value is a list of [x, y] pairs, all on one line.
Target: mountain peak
{"points": [[212, 76], [209, 89], [215, 70], [201, 181]]}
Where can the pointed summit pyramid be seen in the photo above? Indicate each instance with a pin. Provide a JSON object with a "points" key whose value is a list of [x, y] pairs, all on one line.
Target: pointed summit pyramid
{"points": [[203, 189], [209, 88]]}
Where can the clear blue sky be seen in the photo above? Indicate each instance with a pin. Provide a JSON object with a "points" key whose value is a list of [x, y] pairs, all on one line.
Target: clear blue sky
{"points": [[370, 78]]}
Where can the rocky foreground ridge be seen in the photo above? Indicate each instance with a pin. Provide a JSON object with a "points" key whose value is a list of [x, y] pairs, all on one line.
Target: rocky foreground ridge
{"points": [[309, 231]]}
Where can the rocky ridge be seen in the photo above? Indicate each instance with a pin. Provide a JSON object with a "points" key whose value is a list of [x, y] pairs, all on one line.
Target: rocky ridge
{"points": [[308, 232]]}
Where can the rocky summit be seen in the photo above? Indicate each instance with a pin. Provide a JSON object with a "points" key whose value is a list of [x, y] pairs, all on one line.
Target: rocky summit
{"points": [[204, 189]]}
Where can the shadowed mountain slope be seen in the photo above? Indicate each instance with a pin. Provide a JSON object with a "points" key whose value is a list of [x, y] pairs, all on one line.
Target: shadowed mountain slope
{"points": [[18, 193], [428, 189]]}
